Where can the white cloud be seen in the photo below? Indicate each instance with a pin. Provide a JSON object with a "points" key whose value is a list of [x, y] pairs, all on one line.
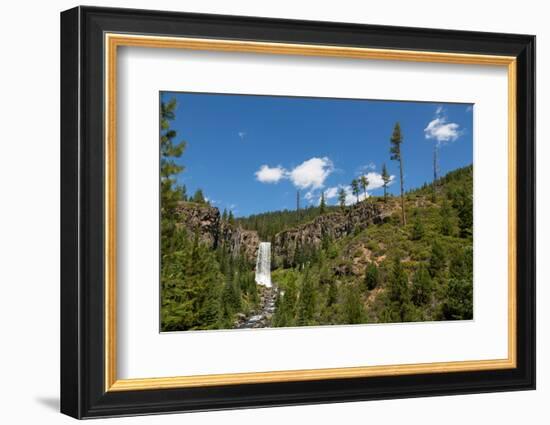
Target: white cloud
{"points": [[267, 174], [309, 195], [331, 192], [311, 173], [376, 181], [371, 166], [441, 130], [242, 134], [351, 198]]}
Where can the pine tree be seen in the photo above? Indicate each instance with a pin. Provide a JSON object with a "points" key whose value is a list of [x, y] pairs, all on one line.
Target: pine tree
{"points": [[285, 306], [438, 260], [458, 304], [355, 188], [322, 205], [281, 318], [399, 293], [385, 181], [465, 214], [198, 197], [395, 151], [418, 228], [371, 276], [332, 296], [422, 287], [306, 301], [446, 218], [342, 198], [364, 181], [190, 285], [170, 194], [231, 295], [398, 290], [352, 309]]}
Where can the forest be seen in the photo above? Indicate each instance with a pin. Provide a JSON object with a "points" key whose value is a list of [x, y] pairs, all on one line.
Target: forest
{"points": [[414, 264]]}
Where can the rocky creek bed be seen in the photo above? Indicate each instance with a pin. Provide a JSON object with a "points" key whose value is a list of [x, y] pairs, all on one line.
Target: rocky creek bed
{"points": [[260, 318]]}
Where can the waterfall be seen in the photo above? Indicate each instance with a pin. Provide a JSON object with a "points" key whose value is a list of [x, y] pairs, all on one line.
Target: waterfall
{"points": [[263, 265]]}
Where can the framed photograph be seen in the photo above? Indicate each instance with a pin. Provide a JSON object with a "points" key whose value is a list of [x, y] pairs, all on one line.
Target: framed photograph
{"points": [[261, 212]]}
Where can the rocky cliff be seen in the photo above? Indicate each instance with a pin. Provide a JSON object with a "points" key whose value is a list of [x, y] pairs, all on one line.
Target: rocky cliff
{"points": [[214, 231], [333, 225]]}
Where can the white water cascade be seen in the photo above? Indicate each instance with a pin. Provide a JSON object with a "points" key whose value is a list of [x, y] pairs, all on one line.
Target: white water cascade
{"points": [[263, 265]]}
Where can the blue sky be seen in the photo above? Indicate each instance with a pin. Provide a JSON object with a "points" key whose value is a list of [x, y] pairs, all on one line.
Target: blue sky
{"points": [[250, 154]]}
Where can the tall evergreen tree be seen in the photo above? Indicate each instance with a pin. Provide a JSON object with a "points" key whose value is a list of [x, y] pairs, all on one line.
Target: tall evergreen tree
{"points": [[445, 214], [399, 293], [231, 295], [418, 228], [322, 204], [170, 150], [332, 296], [364, 181], [458, 300], [465, 214], [190, 285], [355, 188], [396, 155], [422, 287], [306, 301], [352, 309], [371, 276], [198, 197], [342, 198], [438, 260], [385, 181]]}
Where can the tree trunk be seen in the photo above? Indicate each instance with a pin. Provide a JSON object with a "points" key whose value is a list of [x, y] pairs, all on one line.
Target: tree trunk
{"points": [[403, 220], [435, 174]]}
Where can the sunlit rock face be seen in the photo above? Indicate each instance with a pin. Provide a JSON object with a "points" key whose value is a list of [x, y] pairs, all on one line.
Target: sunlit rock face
{"points": [[214, 232], [334, 226], [263, 265]]}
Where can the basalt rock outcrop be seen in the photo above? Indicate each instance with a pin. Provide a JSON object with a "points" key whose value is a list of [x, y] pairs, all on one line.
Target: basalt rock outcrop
{"points": [[333, 226], [239, 240], [213, 231], [201, 218]]}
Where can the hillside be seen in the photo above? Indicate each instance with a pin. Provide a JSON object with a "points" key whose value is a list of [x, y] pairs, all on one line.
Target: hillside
{"points": [[349, 265], [385, 272], [270, 223]]}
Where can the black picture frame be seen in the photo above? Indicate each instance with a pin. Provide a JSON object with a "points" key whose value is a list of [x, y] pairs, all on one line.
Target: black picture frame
{"points": [[83, 392]]}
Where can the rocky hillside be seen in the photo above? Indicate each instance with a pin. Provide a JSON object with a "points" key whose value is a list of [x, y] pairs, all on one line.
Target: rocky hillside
{"points": [[334, 225], [214, 231]]}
